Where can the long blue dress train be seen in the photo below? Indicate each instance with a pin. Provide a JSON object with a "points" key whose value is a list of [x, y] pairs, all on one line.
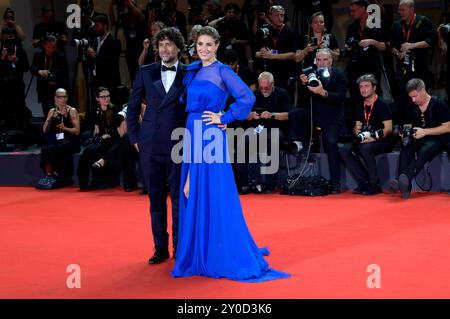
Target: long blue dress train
{"points": [[213, 238]]}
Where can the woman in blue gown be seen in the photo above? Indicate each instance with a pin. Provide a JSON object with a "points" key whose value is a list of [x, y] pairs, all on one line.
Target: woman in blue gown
{"points": [[213, 238]]}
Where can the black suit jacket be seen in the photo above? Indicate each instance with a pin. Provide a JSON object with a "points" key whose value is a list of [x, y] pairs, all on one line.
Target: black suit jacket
{"points": [[163, 114], [107, 63], [327, 110]]}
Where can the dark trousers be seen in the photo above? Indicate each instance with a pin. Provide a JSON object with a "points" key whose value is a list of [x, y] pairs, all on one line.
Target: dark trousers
{"points": [[414, 156], [106, 176], [122, 156], [162, 175], [300, 122], [365, 170], [59, 157]]}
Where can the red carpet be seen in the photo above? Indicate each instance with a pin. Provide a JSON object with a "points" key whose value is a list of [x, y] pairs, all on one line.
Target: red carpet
{"points": [[325, 243]]}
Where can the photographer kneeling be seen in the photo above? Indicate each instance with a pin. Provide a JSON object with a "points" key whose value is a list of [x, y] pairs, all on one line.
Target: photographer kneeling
{"points": [[372, 129], [62, 128], [430, 122]]}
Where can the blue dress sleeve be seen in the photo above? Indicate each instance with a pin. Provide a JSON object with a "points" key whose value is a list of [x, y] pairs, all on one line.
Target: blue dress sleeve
{"points": [[243, 96]]}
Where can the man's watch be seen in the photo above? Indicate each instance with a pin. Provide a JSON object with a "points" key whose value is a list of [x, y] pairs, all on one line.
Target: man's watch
{"points": [[272, 116]]}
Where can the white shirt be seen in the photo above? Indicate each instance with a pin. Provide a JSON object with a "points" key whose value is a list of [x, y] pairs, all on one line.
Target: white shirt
{"points": [[168, 77]]}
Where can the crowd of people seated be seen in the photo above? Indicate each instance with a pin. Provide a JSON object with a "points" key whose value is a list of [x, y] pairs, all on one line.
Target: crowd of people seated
{"points": [[294, 74]]}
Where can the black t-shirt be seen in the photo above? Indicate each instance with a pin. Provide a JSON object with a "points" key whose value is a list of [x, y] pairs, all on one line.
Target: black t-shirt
{"points": [[370, 55], [421, 30], [328, 41], [436, 113], [381, 112]]}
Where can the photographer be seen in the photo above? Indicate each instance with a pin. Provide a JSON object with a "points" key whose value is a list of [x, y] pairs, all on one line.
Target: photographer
{"points": [[233, 33], [325, 88], [13, 63], [62, 129], [126, 14], [104, 57], [443, 43], [412, 38], [172, 17], [48, 26], [49, 66], [363, 46], [317, 38], [270, 100], [10, 22], [426, 132], [373, 129], [106, 138], [278, 53]]}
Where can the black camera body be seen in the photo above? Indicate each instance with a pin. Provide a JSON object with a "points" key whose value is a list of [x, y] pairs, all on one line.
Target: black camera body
{"points": [[445, 29], [10, 46], [262, 36], [314, 41], [310, 72], [57, 119], [406, 133], [353, 43], [292, 147], [367, 132]]}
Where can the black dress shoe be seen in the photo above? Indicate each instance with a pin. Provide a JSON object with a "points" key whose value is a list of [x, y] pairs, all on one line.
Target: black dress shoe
{"points": [[335, 188], [372, 189], [158, 257], [361, 187], [404, 185]]}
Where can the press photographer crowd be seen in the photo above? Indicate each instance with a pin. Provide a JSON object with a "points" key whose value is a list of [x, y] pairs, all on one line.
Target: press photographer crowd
{"points": [[369, 95]]}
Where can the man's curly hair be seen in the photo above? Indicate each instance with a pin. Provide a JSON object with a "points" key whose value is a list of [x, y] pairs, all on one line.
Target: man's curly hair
{"points": [[171, 34]]}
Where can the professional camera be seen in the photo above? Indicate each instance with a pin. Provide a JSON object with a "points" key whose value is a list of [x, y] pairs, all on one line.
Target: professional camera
{"points": [[353, 43], [406, 133], [80, 43], [444, 29], [10, 46], [314, 74], [367, 132], [262, 36], [57, 119], [310, 72], [292, 147]]}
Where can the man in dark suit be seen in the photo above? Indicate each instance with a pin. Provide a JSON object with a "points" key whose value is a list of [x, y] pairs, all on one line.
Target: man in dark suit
{"points": [[161, 85], [104, 58]]}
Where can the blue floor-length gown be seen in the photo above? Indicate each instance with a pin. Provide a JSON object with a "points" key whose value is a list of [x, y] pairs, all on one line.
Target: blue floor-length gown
{"points": [[213, 238]]}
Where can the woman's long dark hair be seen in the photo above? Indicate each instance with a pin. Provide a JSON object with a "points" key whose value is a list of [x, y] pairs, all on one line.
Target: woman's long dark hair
{"points": [[109, 110]]}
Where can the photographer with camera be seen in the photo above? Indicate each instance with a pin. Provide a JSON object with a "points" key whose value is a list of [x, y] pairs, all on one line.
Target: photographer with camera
{"points": [[430, 123], [443, 43], [233, 33], [49, 66], [270, 100], [317, 38], [126, 14], [9, 21], [323, 93], [363, 45], [49, 26], [103, 58], [13, 63], [106, 135], [278, 53], [412, 38], [62, 130], [373, 129]]}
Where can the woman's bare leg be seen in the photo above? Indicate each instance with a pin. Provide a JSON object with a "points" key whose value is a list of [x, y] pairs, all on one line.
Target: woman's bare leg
{"points": [[186, 186]]}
